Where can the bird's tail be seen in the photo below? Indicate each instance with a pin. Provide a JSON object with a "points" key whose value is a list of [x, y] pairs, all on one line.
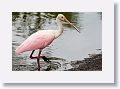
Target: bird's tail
{"points": [[19, 49]]}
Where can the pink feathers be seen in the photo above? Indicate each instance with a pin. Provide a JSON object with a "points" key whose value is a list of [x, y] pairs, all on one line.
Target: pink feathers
{"points": [[38, 40]]}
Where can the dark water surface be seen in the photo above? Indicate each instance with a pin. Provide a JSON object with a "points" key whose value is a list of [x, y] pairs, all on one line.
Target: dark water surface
{"points": [[70, 46]]}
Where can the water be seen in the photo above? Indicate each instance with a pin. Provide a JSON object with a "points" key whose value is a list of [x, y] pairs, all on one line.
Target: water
{"points": [[70, 46]]}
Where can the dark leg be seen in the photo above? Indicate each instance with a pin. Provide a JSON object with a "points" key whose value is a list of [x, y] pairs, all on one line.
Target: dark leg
{"points": [[38, 58], [32, 56], [43, 57], [46, 59], [38, 62]]}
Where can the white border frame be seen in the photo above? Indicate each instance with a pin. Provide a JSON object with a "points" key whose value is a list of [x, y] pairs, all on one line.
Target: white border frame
{"points": [[104, 76]]}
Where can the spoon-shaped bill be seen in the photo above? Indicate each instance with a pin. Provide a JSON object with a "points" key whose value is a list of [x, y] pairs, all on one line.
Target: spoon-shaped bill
{"points": [[73, 25]]}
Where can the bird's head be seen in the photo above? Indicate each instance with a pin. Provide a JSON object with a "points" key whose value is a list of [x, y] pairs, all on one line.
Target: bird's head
{"points": [[62, 19]]}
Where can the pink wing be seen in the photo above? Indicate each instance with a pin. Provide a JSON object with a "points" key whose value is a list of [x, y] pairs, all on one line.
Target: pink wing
{"points": [[38, 40]]}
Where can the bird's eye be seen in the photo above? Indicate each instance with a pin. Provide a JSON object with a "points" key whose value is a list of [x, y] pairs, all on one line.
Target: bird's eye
{"points": [[61, 17]]}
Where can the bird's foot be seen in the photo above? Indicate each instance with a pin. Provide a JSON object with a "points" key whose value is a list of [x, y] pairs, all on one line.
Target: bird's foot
{"points": [[38, 69], [48, 68], [46, 59]]}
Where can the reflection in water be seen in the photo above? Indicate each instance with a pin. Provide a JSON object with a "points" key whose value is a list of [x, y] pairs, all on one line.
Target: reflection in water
{"points": [[70, 45]]}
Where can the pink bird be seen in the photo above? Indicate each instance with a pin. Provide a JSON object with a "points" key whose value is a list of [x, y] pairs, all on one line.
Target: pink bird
{"points": [[41, 39]]}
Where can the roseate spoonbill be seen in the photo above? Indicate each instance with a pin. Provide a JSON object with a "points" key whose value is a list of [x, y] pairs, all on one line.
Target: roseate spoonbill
{"points": [[43, 38]]}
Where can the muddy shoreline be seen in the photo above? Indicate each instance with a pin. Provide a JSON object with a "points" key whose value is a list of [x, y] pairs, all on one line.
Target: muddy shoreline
{"points": [[92, 63]]}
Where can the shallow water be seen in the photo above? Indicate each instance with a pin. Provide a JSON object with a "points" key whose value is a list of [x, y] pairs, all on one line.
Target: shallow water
{"points": [[71, 45]]}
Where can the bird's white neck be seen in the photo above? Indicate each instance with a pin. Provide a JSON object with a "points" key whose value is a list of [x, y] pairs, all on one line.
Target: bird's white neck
{"points": [[60, 29]]}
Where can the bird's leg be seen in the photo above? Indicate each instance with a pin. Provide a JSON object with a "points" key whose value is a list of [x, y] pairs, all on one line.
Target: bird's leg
{"points": [[38, 59], [32, 56], [46, 59]]}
